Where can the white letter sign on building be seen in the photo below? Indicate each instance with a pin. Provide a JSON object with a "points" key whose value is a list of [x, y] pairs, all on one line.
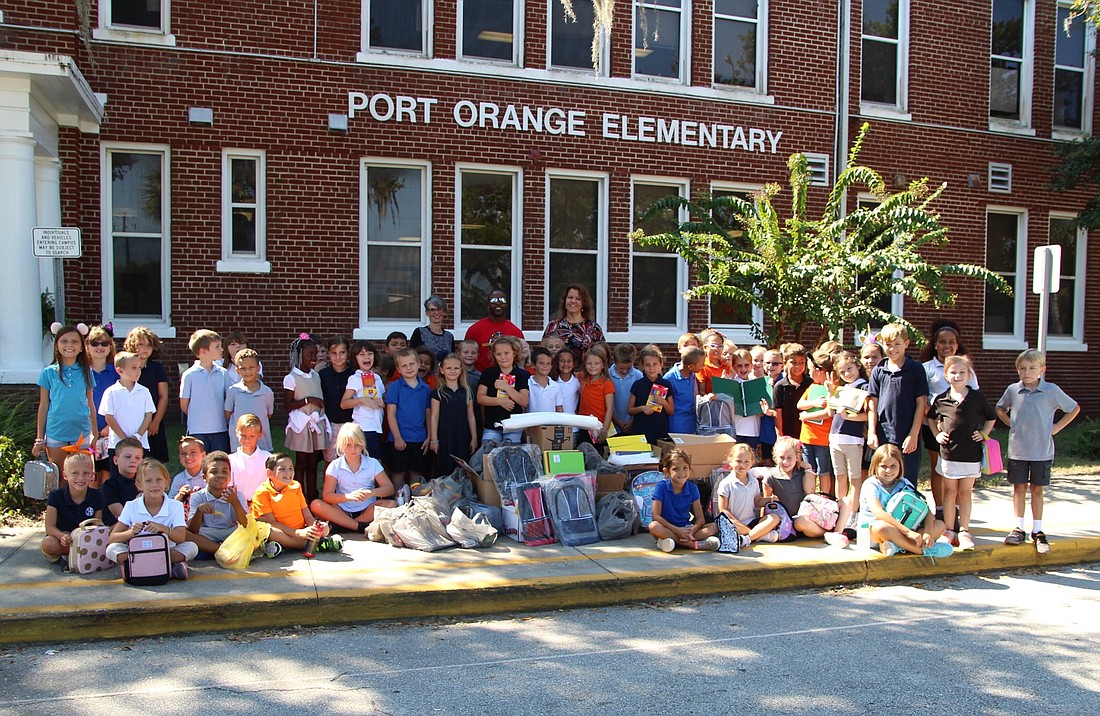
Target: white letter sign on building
{"points": [[56, 243]]}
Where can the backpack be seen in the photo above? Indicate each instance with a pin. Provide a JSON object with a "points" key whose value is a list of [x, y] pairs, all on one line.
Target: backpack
{"points": [[786, 527], [820, 509], [148, 563], [642, 488], [88, 548], [515, 465], [573, 511], [730, 540], [616, 515], [715, 416], [535, 525], [908, 508]]}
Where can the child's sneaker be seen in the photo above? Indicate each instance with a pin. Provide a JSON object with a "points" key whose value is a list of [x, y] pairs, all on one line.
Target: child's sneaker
{"points": [[938, 549], [772, 536], [1042, 546], [836, 539], [745, 541], [710, 544], [1016, 536], [272, 549], [333, 543], [966, 541], [666, 544], [179, 570], [889, 549]]}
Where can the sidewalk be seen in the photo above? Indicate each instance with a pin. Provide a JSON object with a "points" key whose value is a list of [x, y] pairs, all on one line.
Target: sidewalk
{"points": [[369, 582]]}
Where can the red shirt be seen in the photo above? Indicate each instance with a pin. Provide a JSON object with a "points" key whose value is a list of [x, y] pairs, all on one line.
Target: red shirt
{"points": [[484, 331]]}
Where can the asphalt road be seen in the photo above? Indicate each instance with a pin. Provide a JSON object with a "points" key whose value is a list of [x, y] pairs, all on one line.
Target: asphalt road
{"points": [[1021, 643]]}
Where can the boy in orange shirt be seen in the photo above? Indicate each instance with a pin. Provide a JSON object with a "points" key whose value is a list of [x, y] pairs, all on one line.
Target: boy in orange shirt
{"points": [[279, 502]]}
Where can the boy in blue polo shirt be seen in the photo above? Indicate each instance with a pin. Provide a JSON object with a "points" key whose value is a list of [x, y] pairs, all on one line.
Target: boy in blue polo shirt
{"points": [[899, 399], [202, 392], [682, 379], [408, 400], [70, 505]]}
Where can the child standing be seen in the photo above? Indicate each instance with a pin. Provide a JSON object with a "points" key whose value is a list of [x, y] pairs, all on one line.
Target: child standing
{"points": [[773, 371], [249, 396], [216, 509], [1028, 406], [681, 377], [677, 511], [307, 428], [425, 361], [713, 366], [650, 402], [127, 405], [746, 428], [154, 377], [467, 351], [623, 375], [364, 394], [740, 498], [848, 432], [545, 392], [816, 420], [69, 505], [153, 513], [789, 390], [503, 390], [408, 401], [565, 363], [65, 410], [100, 346], [451, 424], [248, 464], [899, 399], [957, 419], [202, 391], [334, 383], [280, 503], [354, 484], [235, 342], [597, 395], [887, 479]]}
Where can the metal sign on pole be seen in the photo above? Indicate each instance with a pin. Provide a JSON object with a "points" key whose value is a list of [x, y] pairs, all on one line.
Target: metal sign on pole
{"points": [[1045, 281]]}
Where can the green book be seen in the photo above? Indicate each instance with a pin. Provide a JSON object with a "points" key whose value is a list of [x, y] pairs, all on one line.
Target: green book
{"points": [[746, 396], [563, 462], [816, 392]]}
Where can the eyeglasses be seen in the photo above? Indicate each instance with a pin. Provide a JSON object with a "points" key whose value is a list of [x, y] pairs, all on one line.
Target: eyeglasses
{"points": [[437, 310], [498, 299], [99, 344]]}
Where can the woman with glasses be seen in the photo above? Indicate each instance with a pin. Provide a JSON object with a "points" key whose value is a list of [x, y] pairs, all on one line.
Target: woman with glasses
{"points": [[433, 336]]}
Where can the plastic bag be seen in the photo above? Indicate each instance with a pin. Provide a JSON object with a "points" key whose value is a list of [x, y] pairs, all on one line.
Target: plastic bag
{"points": [[381, 529], [237, 549], [616, 515], [448, 491], [470, 531], [420, 527], [493, 514]]}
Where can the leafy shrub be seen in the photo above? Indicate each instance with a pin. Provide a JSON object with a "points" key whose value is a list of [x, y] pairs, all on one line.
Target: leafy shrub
{"points": [[12, 459], [1080, 440]]}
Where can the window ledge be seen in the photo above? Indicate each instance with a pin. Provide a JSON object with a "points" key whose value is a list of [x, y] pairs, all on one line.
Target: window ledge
{"points": [[122, 326], [1069, 135], [640, 335], [243, 266], [1011, 128], [1066, 345], [1003, 343], [744, 94], [138, 37], [882, 111]]}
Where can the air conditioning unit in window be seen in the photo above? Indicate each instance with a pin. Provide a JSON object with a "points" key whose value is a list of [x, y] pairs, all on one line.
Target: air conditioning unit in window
{"points": [[1000, 178], [818, 166]]}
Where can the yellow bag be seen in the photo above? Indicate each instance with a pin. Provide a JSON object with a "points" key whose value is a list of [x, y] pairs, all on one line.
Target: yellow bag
{"points": [[237, 549]]}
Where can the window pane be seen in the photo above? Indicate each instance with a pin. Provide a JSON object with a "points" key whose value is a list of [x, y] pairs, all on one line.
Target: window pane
{"points": [[138, 13], [574, 214], [739, 8], [486, 209], [487, 29], [571, 42], [393, 205], [244, 231], [1070, 48], [1004, 89], [1069, 89], [1063, 232], [734, 53], [482, 271], [244, 181], [397, 24], [999, 312], [1001, 242], [645, 195], [654, 296], [880, 18], [137, 276], [1008, 28], [135, 193], [880, 72], [726, 313], [567, 268], [393, 282], [1061, 308], [657, 43]]}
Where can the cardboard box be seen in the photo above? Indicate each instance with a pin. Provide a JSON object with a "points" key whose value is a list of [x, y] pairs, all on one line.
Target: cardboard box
{"points": [[486, 488], [707, 451], [606, 483], [551, 437]]}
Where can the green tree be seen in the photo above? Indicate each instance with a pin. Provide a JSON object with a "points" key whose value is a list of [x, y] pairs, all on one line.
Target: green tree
{"points": [[831, 272]]}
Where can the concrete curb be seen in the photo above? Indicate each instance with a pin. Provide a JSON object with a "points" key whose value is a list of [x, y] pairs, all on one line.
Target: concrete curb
{"points": [[310, 607]]}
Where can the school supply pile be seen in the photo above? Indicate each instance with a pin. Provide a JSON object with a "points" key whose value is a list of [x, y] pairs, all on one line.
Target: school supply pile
{"points": [[471, 530], [533, 525], [512, 465], [449, 490], [40, 478], [573, 508], [616, 515], [715, 417], [559, 462], [593, 461], [88, 547], [420, 527], [148, 561]]}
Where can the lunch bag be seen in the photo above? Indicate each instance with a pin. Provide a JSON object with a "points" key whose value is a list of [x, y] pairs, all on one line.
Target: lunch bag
{"points": [[88, 548], [908, 508], [148, 563], [820, 509]]}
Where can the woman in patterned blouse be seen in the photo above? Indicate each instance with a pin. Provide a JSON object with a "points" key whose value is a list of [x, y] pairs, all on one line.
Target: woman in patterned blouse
{"points": [[575, 327]]}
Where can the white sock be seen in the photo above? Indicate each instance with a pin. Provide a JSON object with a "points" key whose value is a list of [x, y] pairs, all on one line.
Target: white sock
{"points": [[1020, 523], [1036, 526]]}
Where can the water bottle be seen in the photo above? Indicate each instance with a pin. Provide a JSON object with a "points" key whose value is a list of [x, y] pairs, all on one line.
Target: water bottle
{"points": [[863, 534], [311, 546]]}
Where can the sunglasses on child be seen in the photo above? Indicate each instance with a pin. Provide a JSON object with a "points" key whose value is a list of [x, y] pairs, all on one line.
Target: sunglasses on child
{"points": [[99, 344]]}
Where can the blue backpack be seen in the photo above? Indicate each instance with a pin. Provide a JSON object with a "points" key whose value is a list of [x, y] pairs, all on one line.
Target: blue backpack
{"points": [[642, 487]]}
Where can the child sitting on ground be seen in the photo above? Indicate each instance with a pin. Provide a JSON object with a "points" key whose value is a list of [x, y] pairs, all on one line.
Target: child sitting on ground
{"points": [[68, 506], [354, 482], [152, 512], [677, 510], [788, 483], [886, 480], [189, 479], [280, 503], [740, 498], [216, 510]]}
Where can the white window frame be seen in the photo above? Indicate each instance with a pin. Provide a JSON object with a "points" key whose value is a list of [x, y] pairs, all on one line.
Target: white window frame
{"points": [[369, 329], [601, 253], [605, 44], [1020, 289], [1027, 76], [1076, 341], [161, 324], [898, 110], [761, 85], [130, 33], [685, 41], [515, 297], [1089, 82], [737, 332], [652, 333], [426, 13], [517, 37], [237, 262]]}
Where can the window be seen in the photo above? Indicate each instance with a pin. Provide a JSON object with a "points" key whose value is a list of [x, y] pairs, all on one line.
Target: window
{"points": [[135, 21], [1006, 254], [1073, 72], [135, 229], [576, 238], [657, 274], [244, 215], [894, 303], [885, 52], [740, 43], [489, 30], [571, 42], [735, 318], [394, 227], [1066, 325], [395, 26], [658, 38], [1011, 50], [489, 224]]}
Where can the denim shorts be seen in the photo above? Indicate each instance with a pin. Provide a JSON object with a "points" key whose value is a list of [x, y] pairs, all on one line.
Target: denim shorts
{"points": [[818, 457]]}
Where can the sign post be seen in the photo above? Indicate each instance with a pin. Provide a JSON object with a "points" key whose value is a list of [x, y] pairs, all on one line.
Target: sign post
{"points": [[1045, 281]]}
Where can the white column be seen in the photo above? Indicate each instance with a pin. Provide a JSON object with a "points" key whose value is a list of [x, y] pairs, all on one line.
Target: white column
{"points": [[20, 316], [47, 179]]}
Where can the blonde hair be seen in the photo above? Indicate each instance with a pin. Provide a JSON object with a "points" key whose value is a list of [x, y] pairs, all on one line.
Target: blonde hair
{"points": [[684, 339], [151, 465], [782, 443], [462, 382], [248, 420], [202, 339], [122, 358], [1031, 356], [75, 458], [739, 448], [955, 360], [893, 331], [887, 451], [350, 433]]}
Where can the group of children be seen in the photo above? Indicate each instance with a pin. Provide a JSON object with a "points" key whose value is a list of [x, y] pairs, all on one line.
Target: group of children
{"points": [[378, 418]]}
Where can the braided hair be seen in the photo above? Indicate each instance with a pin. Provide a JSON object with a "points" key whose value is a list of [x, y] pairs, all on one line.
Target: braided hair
{"points": [[297, 346]]}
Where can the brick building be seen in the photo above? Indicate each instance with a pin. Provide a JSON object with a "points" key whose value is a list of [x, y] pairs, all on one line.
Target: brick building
{"points": [[275, 166]]}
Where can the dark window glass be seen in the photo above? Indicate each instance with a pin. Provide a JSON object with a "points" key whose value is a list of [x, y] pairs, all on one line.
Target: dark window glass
{"points": [[487, 29], [879, 72], [136, 13], [734, 52], [397, 25], [571, 42], [657, 42]]}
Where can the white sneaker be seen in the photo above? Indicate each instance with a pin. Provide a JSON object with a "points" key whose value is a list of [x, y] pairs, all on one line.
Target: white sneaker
{"points": [[666, 545], [889, 549], [745, 541], [772, 536], [966, 541], [836, 539]]}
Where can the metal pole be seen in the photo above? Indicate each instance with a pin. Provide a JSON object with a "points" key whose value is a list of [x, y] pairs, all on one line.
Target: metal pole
{"points": [[1044, 305]]}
